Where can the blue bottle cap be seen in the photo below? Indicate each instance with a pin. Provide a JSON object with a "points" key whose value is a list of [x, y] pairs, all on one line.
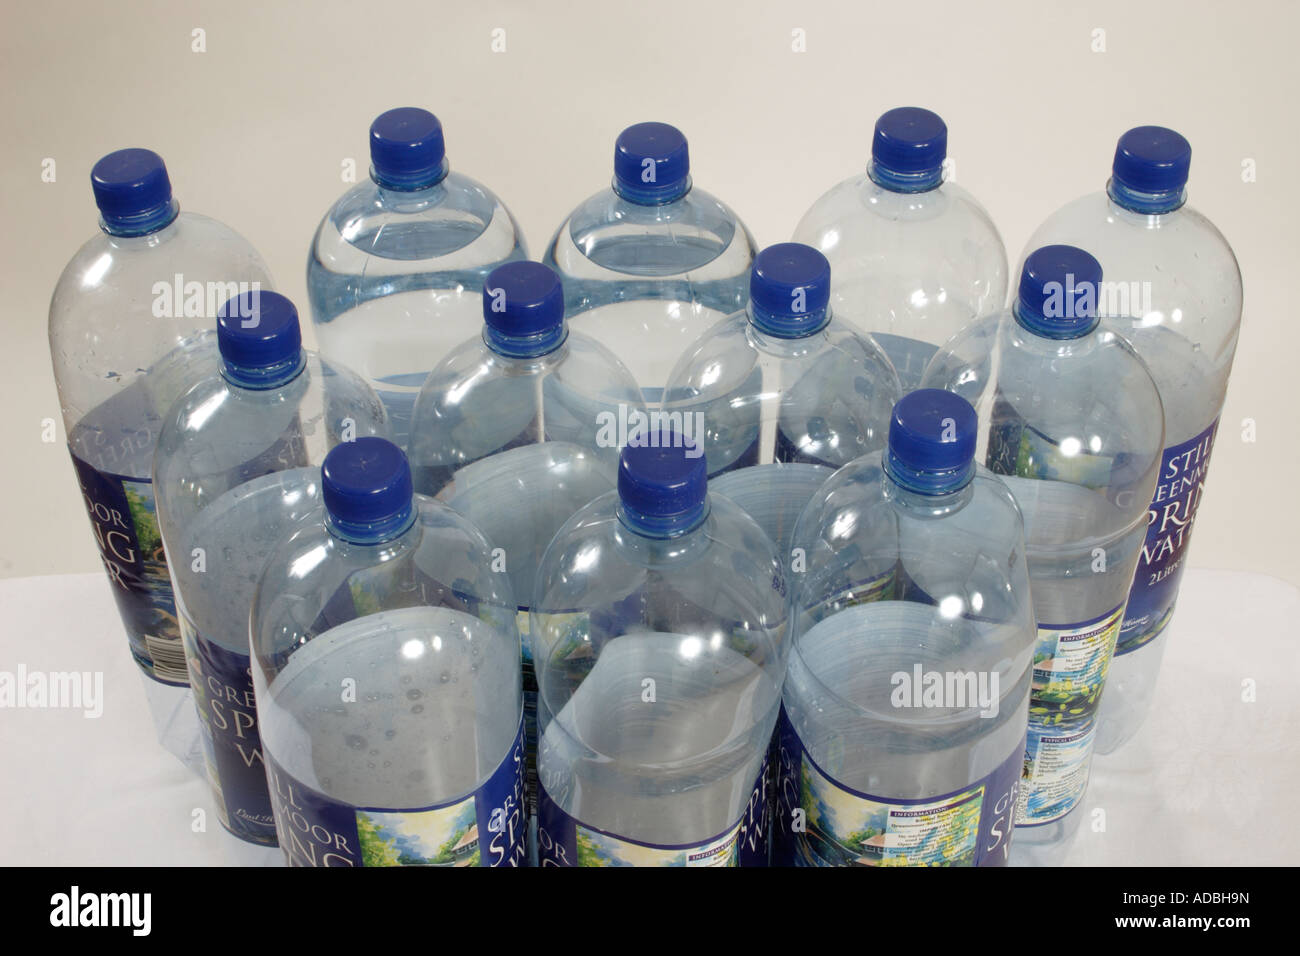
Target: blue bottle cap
{"points": [[651, 164], [523, 307], [662, 481], [133, 192], [932, 442], [789, 290], [1059, 286], [908, 150], [259, 339], [1150, 169], [407, 150], [366, 485]]}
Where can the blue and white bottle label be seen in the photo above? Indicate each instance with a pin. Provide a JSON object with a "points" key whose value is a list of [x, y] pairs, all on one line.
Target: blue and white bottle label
{"points": [[1169, 531], [821, 822], [487, 828], [1070, 668], [223, 693], [125, 522], [564, 841]]}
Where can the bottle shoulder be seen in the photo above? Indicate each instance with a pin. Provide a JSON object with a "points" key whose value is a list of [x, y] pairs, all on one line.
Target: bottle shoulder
{"points": [[450, 220], [858, 211], [607, 233]]}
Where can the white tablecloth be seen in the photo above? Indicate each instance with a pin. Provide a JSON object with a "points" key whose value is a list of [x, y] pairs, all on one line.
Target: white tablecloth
{"points": [[1210, 779]]}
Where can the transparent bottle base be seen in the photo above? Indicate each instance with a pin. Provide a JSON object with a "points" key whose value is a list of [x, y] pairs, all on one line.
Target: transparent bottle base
{"points": [[176, 723], [1045, 845], [1130, 688]]}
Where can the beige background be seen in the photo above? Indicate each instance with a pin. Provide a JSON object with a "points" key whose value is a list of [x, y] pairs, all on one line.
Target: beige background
{"points": [[255, 129]]}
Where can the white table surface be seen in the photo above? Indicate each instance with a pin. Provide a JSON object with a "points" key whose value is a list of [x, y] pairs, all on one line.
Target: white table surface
{"points": [[1209, 780]]}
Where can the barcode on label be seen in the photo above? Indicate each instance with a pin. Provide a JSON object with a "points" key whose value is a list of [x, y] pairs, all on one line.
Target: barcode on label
{"points": [[168, 656]]}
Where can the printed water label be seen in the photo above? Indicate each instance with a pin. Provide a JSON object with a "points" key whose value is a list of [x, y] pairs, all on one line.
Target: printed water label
{"points": [[486, 828], [821, 822], [125, 522], [1070, 668], [223, 693], [1169, 531], [565, 841]]}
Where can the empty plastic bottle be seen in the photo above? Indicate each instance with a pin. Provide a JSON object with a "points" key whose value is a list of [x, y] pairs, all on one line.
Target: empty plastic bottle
{"points": [[658, 628], [1173, 290], [386, 663], [519, 428], [783, 393], [902, 734], [914, 258], [397, 263], [131, 324], [237, 468], [1071, 418], [651, 262]]}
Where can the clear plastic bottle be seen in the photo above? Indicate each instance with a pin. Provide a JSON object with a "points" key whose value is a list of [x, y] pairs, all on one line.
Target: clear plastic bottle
{"points": [[915, 258], [783, 393], [1174, 291], [131, 324], [658, 628], [651, 262], [519, 428], [902, 735], [237, 468], [397, 263], [1071, 418], [386, 665]]}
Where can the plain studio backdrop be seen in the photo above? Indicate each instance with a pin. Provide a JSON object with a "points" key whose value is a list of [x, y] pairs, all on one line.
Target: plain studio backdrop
{"points": [[257, 107]]}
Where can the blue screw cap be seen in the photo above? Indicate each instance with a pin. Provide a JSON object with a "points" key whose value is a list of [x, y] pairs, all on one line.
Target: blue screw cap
{"points": [[366, 486], [133, 192], [407, 151], [1059, 289], [932, 441], [789, 290], [908, 150], [260, 339], [523, 307], [662, 484], [1150, 169], [651, 164]]}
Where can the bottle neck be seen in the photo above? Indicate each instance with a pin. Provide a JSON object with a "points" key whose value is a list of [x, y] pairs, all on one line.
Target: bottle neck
{"points": [[146, 223], [386, 532], [783, 334], [651, 194], [1145, 204], [525, 347], [407, 185], [900, 182], [264, 379], [645, 545], [928, 490]]}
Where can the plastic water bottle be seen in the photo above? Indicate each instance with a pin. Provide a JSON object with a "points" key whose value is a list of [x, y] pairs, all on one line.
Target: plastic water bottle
{"points": [[782, 393], [237, 468], [1071, 418], [651, 262], [397, 263], [902, 734], [131, 324], [658, 628], [915, 258], [519, 428], [1174, 291], [386, 663]]}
